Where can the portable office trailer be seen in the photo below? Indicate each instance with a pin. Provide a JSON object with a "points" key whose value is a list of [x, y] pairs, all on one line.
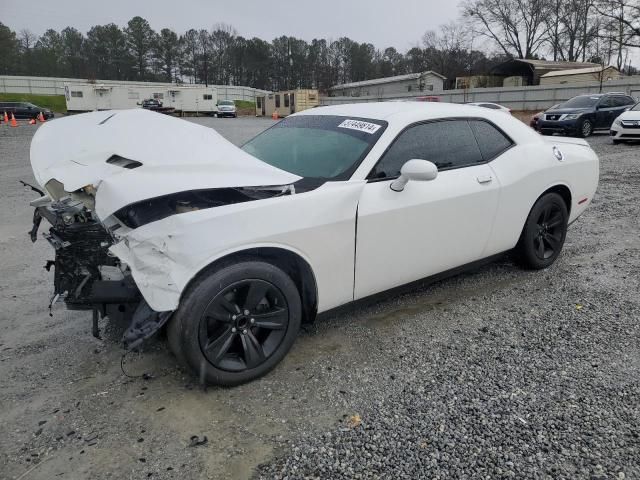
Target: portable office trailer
{"points": [[286, 102], [88, 97]]}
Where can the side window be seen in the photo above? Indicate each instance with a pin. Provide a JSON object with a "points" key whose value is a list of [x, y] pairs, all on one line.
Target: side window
{"points": [[492, 141], [607, 102], [277, 101], [448, 144], [621, 101]]}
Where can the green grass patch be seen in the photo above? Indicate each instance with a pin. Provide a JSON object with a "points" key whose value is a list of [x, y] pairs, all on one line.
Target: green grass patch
{"points": [[245, 104], [55, 103]]}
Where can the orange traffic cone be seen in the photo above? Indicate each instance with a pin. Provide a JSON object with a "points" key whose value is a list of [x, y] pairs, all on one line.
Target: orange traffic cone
{"points": [[32, 121], [13, 121], [274, 115], [41, 118], [6, 118]]}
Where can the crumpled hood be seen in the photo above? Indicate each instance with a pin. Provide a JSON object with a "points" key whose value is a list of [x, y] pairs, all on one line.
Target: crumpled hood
{"points": [[176, 156]]}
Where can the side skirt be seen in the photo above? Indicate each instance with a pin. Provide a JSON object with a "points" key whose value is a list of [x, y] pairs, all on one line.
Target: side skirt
{"points": [[412, 286]]}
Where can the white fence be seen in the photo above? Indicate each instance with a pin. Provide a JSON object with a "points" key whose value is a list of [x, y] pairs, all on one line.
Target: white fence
{"points": [[55, 86], [516, 98]]}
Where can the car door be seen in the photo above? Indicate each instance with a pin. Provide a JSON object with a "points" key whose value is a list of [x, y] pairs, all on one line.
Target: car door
{"points": [[605, 112], [430, 226]]}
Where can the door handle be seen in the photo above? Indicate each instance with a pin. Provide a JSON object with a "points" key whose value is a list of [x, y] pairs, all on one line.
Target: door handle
{"points": [[484, 179]]}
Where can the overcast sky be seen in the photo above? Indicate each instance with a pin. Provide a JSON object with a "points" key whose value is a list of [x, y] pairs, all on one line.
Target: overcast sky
{"points": [[399, 23]]}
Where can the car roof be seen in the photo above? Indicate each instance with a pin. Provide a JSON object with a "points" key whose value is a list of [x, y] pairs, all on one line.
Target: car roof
{"points": [[391, 110]]}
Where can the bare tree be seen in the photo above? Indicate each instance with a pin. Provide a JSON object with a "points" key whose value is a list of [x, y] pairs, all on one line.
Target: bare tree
{"points": [[516, 26], [570, 28], [625, 14], [27, 39]]}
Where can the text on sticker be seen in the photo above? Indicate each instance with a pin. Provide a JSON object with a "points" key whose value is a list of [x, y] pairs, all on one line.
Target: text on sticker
{"points": [[360, 126]]}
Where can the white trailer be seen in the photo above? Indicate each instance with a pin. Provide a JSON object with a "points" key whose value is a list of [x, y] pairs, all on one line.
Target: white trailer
{"points": [[89, 97]]}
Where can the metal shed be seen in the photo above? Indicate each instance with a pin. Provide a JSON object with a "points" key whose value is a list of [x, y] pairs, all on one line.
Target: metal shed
{"points": [[522, 72], [428, 81], [590, 75], [286, 102]]}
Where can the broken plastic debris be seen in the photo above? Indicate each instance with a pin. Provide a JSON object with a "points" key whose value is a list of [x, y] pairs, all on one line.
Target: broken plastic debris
{"points": [[196, 442], [354, 421]]}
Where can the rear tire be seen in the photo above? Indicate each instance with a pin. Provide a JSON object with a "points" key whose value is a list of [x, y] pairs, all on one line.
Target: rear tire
{"points": [[544, 233], [236, 324]]}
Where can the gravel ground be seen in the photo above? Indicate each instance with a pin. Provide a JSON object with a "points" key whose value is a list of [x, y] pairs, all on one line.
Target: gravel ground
{"points": [[495, 373]]}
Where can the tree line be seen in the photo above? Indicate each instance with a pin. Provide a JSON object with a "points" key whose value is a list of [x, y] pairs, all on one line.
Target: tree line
{"points": [[572, 30], [221, 56]]}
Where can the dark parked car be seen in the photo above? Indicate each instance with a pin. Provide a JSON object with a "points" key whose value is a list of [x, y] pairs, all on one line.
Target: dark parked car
{"points": [[24, 110], [533, 121], [156, 106], [583, 114]]}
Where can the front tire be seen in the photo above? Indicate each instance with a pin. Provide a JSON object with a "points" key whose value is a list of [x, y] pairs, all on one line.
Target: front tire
{"points": [[544, 232], [238, 323], [585, 129]]}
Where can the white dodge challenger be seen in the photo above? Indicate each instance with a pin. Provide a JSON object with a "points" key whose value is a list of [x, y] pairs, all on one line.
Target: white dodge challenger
{"points": [[157, 220]]}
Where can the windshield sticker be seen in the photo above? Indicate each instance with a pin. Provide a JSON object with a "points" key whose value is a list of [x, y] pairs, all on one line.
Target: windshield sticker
{"points": [[360, 126]]}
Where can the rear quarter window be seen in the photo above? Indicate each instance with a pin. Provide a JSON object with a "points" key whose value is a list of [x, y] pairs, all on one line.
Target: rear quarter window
{"points": [[492, 142]]}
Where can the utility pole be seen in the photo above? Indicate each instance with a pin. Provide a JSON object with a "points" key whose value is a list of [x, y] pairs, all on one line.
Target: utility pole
{"points": [[290, 64]]}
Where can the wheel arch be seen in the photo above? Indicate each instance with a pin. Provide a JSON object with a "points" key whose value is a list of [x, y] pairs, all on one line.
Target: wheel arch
{"points": [[559, 188], [562, 190], [291, 262]]}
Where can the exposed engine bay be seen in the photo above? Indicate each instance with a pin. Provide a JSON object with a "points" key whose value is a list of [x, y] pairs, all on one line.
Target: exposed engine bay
{"points": [[86, 275]]}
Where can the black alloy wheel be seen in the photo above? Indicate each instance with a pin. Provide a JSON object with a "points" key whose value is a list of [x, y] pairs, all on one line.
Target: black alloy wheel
{"points": [[243, 325], [544, 232], [549, 237], [237, 322]]}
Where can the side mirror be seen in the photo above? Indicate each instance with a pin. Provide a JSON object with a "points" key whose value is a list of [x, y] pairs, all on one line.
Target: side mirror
{"points": [[417, 170]]}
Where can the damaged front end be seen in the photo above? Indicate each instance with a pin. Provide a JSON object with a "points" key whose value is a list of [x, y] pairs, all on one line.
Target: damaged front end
{"points": [[86, 275], [106, 176]]}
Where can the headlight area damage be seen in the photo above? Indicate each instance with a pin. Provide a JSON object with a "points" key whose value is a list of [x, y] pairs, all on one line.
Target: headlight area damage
{"points": [[88, 276]]}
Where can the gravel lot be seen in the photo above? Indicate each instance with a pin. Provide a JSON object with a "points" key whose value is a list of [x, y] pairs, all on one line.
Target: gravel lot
{"points": [[498, 373]]}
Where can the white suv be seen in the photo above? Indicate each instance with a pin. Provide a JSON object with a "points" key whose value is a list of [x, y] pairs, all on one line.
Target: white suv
{"points": [[627, 125]]}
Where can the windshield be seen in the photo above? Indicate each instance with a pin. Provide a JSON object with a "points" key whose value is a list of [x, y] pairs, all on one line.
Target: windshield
{"points": [[583, 101], [636, 107], [226, 102], [317, 146]]}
